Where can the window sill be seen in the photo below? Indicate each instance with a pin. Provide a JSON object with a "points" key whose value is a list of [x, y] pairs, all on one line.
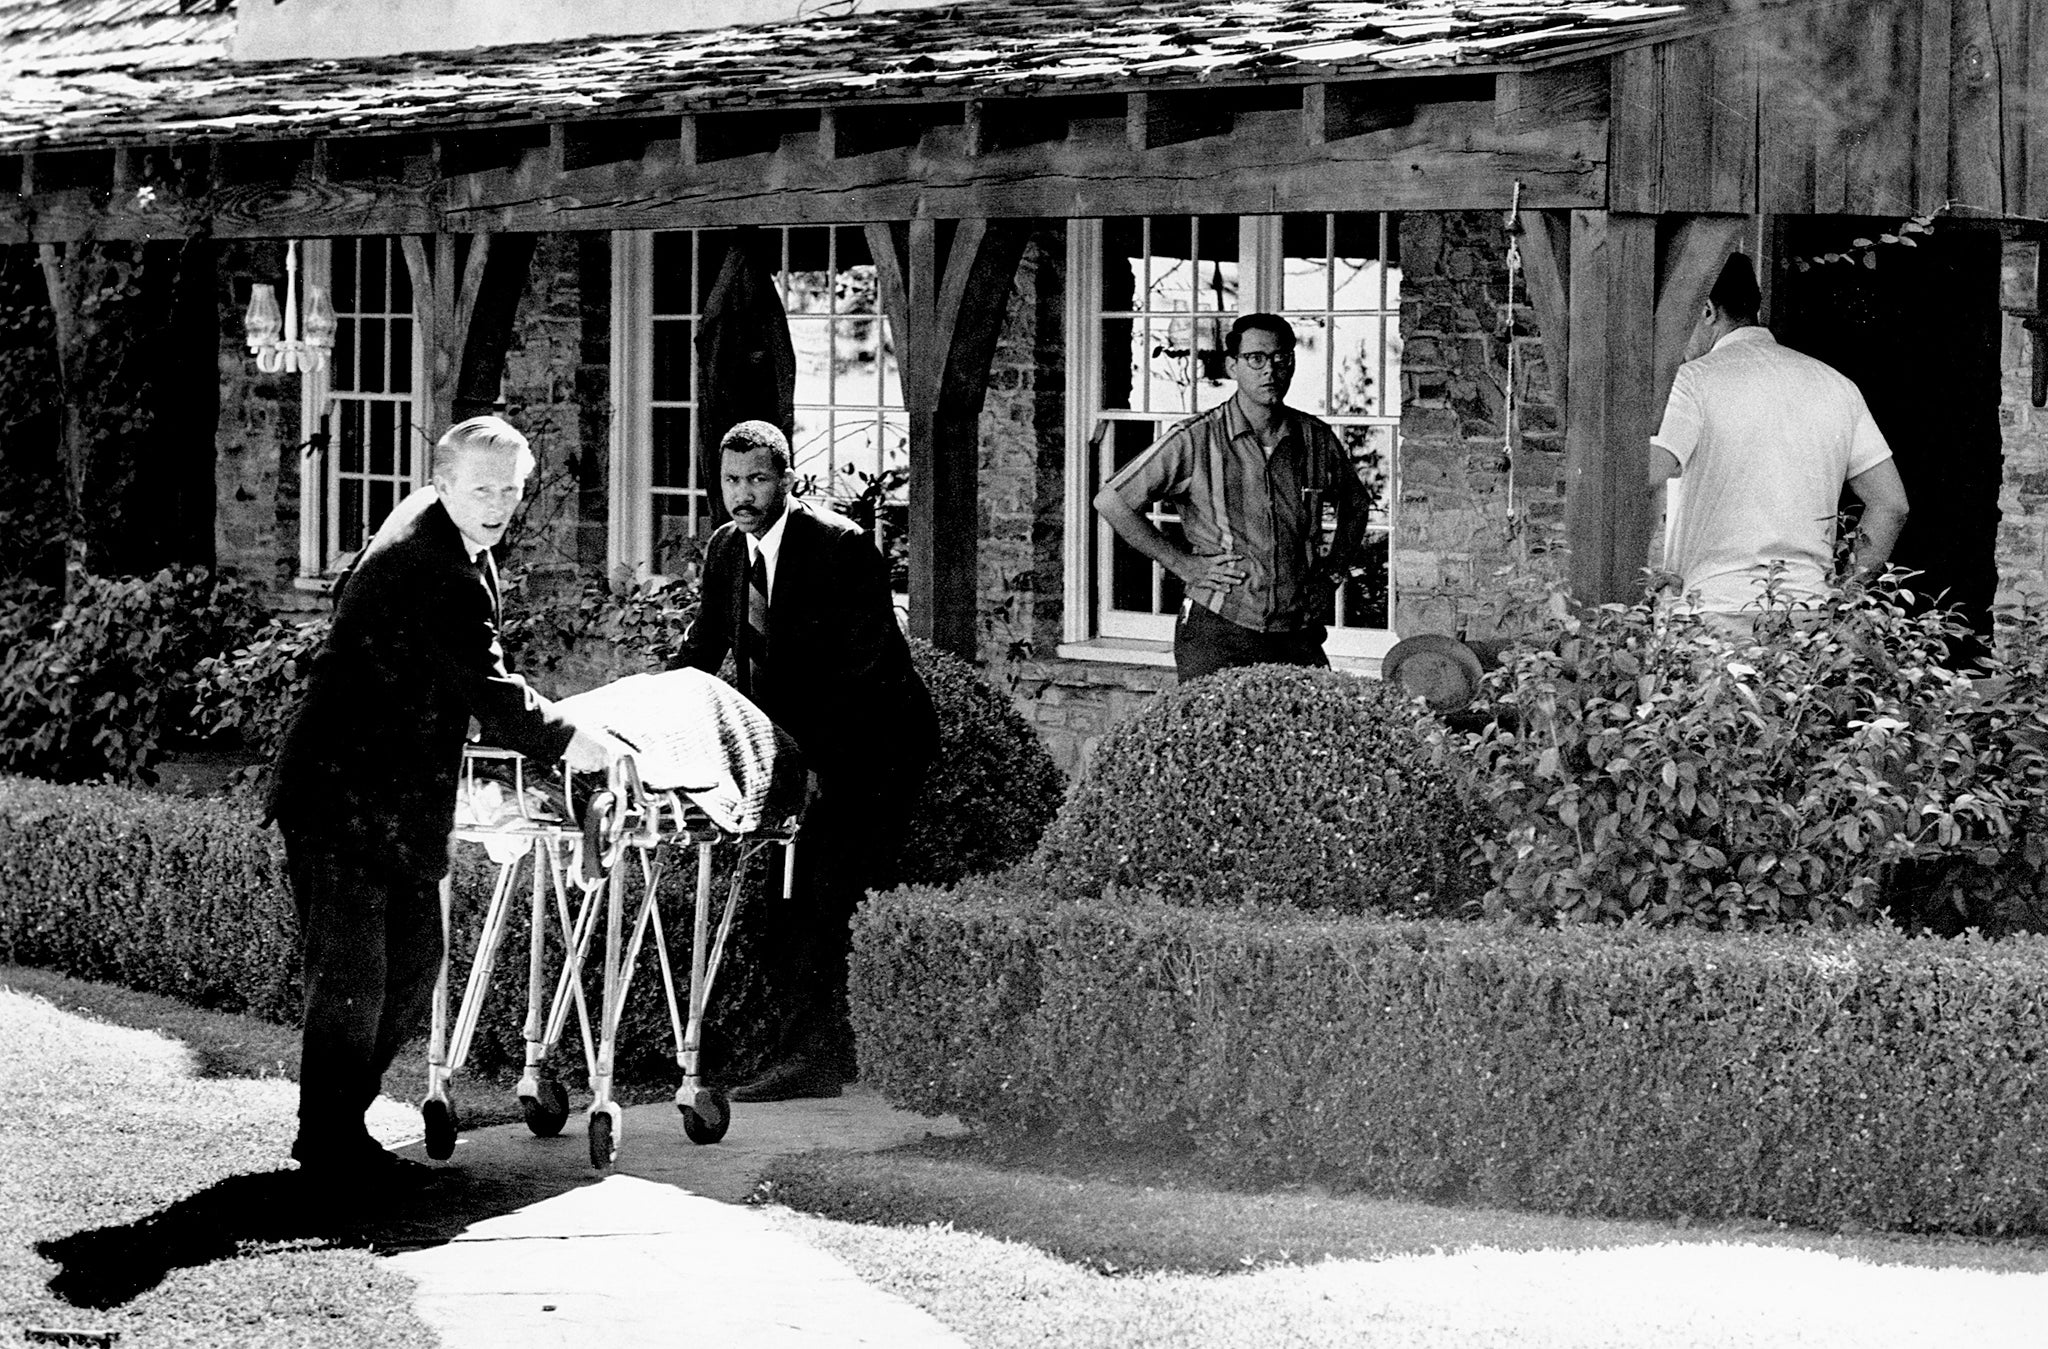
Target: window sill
{"points": [[1134, 651], [314, 585]]}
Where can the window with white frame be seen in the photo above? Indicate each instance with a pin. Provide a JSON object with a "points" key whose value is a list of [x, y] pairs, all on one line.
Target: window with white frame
{"points": [[363, 407], [851, 447], [1150, 301]]}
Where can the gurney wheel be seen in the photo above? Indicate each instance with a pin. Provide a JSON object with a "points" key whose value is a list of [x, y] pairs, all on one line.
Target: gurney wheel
{"points": [[438, 1114], [707, 1120], [602, 1148], [546, 1114]]}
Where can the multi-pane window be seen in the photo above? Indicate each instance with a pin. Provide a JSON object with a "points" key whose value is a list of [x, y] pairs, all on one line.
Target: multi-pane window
{"points": [[1152, 301], [851, 443], [363, 402]]}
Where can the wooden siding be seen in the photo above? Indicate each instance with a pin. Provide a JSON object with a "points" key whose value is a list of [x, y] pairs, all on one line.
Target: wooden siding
{"points": [[1876, 107]]}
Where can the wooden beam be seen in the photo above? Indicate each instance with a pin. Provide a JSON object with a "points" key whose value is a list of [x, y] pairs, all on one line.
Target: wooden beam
{"points": [[947, 318], [1607, 431], [1336, 112], [1785, 139], [2035, 112], [1546, 271], [1451, 157], [1692, 262], [1976, 146], [1155, 120], [1731, 176], [1930, 120], [491, 304], [1880, 153], [1636, 142], [1525, 100], [443, 306]]}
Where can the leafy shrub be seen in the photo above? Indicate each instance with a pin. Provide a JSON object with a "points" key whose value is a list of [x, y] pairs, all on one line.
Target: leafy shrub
{"points": [[1812, 1078], [95, 688], [1663, 772], [993, 788], [1273, 785], [625, 626], [252, 691]]}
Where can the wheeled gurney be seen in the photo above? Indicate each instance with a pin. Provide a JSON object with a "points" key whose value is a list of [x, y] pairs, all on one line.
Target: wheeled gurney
{"points": [[707, 767]]}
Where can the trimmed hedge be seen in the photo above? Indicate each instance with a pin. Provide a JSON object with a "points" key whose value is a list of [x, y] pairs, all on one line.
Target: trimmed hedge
{"points": [[1272, 785], [189, 898], [1820, 1080], [993, 788], [174, 896]]}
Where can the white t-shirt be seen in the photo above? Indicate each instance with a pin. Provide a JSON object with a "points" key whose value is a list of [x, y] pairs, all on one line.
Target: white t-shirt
{"points": [[1764, 438]]}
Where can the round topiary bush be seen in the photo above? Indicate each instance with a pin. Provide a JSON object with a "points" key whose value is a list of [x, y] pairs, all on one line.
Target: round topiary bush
{"points": [[993, 788], [1273, 785]]}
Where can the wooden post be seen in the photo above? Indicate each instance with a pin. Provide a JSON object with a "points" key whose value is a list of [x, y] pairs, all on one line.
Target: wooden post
{"points": [[946, 322], [443, 306], [1610, 418]]}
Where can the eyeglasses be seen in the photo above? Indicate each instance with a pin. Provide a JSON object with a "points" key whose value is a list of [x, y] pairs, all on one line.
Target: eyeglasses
{"points": [[1259, 360]]}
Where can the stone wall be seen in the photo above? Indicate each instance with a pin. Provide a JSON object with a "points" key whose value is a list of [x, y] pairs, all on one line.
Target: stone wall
{"points": [[1456, 522], [2023, 498], [256, 440], [545, 387]]}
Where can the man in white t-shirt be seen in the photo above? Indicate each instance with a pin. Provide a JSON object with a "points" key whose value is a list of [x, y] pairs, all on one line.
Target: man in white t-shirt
{"points": [[1763, 438]]}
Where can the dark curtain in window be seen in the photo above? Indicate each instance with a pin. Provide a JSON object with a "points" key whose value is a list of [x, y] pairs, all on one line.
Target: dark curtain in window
{"points": [[746, 367]]}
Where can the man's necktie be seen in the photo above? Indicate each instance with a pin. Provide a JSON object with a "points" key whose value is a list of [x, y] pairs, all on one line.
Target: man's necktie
{"points": [[488, 570], [757, 620]]}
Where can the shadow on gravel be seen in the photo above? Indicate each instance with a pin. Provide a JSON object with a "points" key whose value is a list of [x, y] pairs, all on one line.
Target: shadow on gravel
{"points": [[105, 1267]]}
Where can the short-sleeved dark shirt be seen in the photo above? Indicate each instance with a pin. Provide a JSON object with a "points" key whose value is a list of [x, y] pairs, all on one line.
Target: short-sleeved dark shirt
{"points": [[1261, 496]]}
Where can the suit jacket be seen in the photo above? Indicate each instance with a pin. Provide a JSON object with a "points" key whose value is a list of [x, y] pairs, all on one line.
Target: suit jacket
{"points": [[838, 675], [374, 751]]}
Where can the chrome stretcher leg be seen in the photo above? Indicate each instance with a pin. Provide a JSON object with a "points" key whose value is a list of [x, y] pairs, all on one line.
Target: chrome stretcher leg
{"points": [[448, 1049], [605, 1117], [437, 1114], [707, 1113], [543, 1100], [576, 938]]}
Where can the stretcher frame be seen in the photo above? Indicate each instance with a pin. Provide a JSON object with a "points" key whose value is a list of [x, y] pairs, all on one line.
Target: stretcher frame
{"points": [[623, 820]]}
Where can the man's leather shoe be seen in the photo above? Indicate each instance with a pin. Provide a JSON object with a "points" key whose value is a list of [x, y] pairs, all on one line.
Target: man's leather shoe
{"points": [[790, 1080]]}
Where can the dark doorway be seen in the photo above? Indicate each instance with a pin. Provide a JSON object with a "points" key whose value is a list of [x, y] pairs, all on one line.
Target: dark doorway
{"points": [[1918, 332]]}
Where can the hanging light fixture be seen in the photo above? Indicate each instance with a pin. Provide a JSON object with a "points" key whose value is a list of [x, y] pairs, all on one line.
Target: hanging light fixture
{"points": [[282, 340]]}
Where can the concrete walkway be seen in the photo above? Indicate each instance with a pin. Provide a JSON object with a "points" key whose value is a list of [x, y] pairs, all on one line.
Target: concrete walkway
{"points": [[661, 1249]]}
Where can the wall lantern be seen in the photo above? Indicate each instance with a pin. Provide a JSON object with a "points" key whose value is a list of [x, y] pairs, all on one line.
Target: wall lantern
{"points": [[2023, 293], [282, 341]]}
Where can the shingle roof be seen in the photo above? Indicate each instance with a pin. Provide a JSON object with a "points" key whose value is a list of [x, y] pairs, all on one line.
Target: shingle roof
{"points": [[73, 35], [988, 49]]}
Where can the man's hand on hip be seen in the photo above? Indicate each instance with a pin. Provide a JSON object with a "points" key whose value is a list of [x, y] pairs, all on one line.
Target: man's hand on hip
{"points": [[1215, 572]]}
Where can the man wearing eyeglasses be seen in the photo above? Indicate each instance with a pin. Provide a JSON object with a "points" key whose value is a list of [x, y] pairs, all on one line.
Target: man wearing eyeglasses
{"points": [[1269, 506]]}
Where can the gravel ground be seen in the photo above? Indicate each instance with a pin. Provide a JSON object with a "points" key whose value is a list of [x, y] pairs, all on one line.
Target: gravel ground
{"points": [[101, 1127]]}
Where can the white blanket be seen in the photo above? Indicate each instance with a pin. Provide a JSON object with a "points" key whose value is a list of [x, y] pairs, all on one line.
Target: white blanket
{"points": [[694, 734]]}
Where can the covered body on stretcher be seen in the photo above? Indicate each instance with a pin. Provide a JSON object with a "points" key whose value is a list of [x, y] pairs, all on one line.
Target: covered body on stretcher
{"points": [[706, 765]]}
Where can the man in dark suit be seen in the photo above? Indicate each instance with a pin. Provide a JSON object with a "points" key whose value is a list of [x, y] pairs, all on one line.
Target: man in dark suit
{"points": [[364, 785], [800, 598]]}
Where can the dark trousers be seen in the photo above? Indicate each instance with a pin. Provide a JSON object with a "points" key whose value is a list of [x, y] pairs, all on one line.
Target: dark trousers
{"points": [[851, 839], [1204, 643], [371, 935]]}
